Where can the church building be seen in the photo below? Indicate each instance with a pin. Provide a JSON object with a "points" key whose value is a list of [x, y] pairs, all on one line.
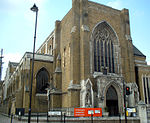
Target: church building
{"points": [[84, 62]]}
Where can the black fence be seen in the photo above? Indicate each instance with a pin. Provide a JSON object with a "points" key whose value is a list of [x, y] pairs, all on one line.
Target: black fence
{"points": [[66, 115], [64, 118], [44, 117]]}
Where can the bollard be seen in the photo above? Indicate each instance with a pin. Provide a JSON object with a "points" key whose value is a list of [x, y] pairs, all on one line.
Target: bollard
{"points": [[91, 118], [119, 118], [37, 117], [64, 117], [47, 116], [61, 117], [11, 118], [19, 116]]}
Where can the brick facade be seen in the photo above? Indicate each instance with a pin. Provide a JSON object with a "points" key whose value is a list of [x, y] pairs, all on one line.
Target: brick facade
{"points": [[69, 53]]}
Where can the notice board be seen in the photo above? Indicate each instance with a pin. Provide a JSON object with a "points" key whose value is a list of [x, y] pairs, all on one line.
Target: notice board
{"points": [[87, 112]]}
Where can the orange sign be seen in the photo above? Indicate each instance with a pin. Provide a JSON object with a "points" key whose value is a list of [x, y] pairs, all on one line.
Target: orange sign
{"points": [[87, 112]]}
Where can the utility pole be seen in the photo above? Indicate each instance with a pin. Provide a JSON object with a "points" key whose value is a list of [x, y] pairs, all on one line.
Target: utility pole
{"points": [[1, 63]]}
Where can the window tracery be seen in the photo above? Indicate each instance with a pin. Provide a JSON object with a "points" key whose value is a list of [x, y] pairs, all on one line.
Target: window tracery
{"points": [[42, 81], [104, 48]]}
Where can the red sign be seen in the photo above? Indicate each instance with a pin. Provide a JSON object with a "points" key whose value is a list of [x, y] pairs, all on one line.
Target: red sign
{"points": [[87, 112]]}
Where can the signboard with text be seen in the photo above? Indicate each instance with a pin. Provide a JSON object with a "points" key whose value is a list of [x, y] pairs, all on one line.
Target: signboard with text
{"points": [[58, 113], [87, 112], [131, 110]]}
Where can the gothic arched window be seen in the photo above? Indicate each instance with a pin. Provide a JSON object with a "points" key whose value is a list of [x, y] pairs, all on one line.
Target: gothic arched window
{"points": [[104, 40], [42, 80]]}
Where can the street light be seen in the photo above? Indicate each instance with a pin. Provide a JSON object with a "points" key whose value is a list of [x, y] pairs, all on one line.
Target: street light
{"points": [[34, 9]]}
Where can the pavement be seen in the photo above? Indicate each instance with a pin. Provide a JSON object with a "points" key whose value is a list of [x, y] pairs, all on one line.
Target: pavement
{"points": [[6, 119]]}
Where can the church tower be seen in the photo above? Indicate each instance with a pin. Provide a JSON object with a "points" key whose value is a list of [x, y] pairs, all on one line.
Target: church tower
{"points": [[93, 57]]}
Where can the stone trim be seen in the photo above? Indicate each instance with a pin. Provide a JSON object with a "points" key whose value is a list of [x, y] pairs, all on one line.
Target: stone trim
{"points": [[74, 28], [58, 70], [38, 95], [74, 86], [103, 83], [128, 37], [40, 57], [85, 85], [57, 92], [139, 61], [85, 28]]}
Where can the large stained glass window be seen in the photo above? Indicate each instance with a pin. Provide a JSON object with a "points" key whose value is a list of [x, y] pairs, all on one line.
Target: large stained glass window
{"points": [[104, 48]]}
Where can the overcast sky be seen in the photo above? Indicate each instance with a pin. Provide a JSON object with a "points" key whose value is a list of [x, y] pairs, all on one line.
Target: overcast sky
{"points": [[17, 23]]}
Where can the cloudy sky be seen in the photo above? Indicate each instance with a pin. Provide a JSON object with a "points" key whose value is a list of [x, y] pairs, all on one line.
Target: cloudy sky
{"points": [[17, 24]]}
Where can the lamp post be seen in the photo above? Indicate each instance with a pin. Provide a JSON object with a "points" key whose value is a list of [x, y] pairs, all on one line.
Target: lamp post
{"points": [[34, 9]]}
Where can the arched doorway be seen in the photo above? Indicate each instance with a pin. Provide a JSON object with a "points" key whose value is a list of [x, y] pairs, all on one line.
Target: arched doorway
{"points": [[112, 101]]}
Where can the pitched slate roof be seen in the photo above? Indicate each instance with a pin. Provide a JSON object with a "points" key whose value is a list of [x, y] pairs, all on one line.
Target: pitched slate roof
{"points": [[137, 52]]}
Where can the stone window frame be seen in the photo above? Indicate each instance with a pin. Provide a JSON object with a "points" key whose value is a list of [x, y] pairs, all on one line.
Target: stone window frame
{"points": [[116, 49], [45, 83], [50, 50], [146, 88]]}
